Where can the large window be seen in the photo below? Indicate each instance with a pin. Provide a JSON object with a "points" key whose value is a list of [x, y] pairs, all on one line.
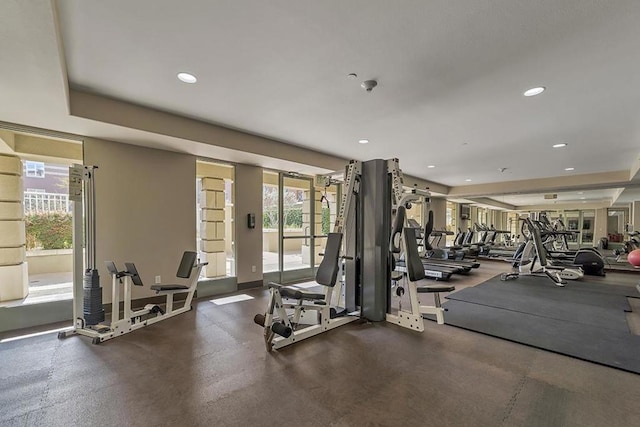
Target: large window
{"points": [[513, 225], [215, 213], [270, 220], [36, 224], [451, 222], [34, 169], [48, 230], [588, 226], [481, 218]]}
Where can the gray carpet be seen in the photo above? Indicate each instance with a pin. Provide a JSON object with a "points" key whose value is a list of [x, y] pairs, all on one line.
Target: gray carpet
{"points": [[583, 320]]}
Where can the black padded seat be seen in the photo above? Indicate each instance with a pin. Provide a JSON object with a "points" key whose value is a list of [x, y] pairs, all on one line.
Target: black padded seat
{"points": [[326, 275], [187, 262], [297, 293], [435, 288], [169, 288]]}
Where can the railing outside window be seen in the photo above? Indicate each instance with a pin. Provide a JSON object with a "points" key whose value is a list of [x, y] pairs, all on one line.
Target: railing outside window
{"points": [[36, 203]]}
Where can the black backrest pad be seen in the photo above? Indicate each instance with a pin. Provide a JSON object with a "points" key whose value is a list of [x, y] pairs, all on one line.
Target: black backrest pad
{"points": [[396, 229], [186, 264], [131, 269], [328, 268], [415, 269], [111, 267], [428, 228]]}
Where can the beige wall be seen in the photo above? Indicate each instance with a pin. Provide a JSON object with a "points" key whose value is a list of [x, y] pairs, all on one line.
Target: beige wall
{"points": [[145, 210], [635, 215], [248, 241], [600, 225]]}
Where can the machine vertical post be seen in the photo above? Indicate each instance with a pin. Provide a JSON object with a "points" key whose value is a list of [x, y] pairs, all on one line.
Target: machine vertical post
{"points": [[375, 231], [76, 196]]}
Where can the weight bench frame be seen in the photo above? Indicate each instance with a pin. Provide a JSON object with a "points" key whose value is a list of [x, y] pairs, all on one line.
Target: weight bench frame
{"points": [[280, 327], [151, 313], [412, 318]]}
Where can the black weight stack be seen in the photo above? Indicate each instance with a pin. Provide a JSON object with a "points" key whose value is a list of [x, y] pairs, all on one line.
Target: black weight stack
{"points": [[93, 310]]}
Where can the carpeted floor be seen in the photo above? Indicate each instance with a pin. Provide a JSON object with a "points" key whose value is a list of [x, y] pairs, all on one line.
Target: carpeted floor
{"points": [[209, 367]]}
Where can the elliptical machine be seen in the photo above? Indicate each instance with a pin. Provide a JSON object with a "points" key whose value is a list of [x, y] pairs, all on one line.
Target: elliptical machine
{"points": [[531, 259], [558, 253]]}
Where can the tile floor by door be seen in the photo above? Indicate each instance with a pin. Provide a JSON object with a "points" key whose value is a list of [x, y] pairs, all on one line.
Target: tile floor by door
{"points": [[209, 367]]}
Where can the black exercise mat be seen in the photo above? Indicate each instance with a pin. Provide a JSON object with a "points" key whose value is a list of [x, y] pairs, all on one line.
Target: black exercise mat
{"points": [[538, 296], [582, 291], [584, 319], [608, 347]]}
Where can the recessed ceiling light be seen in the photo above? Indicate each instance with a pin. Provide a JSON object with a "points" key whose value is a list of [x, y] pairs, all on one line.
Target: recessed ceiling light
{"points": [[582, 198], [187, 78], [468, 180], [431, 166], [363, 141], [560, 145], [534, 91], [569, 169], [580, 192]]}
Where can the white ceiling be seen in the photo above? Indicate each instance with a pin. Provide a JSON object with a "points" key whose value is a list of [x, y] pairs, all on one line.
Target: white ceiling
{"points": [[451, 75]]}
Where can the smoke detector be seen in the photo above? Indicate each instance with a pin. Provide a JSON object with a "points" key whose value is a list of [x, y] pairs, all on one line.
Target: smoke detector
{"points": [[368, 85]]}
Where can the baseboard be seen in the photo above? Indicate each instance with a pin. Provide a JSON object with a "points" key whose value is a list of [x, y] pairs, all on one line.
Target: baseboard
{"points": [[249, 285]]}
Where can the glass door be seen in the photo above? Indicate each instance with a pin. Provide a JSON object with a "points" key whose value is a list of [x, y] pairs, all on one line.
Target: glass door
{"points": [[326, 210], [588, 227], [298, 211], [572, 223], [296, 220]]}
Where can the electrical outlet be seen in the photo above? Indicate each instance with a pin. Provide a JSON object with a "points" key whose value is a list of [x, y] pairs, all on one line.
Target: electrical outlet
{"points": [[158, 279], [253, 268]]}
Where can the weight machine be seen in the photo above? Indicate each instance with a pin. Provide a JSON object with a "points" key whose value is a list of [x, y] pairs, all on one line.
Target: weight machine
{"points": [[356, 270], [88, 311]]}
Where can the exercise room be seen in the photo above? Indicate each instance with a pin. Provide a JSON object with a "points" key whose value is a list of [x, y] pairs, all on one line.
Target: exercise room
{"points": [[303, 213]]}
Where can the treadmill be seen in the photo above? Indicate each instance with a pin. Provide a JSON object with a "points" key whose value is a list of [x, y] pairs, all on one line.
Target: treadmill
{"points": [[461, 266], [431, 271]]}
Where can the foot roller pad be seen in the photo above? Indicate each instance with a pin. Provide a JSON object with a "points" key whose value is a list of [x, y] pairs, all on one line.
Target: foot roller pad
{"points": [[259, 319], [281, 329]]}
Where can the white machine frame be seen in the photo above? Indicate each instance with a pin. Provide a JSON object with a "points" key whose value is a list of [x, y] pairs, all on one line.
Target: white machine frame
{"points": [[413, 318], [277, 312], [82, 194], [131, 319], [290, 314]]}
